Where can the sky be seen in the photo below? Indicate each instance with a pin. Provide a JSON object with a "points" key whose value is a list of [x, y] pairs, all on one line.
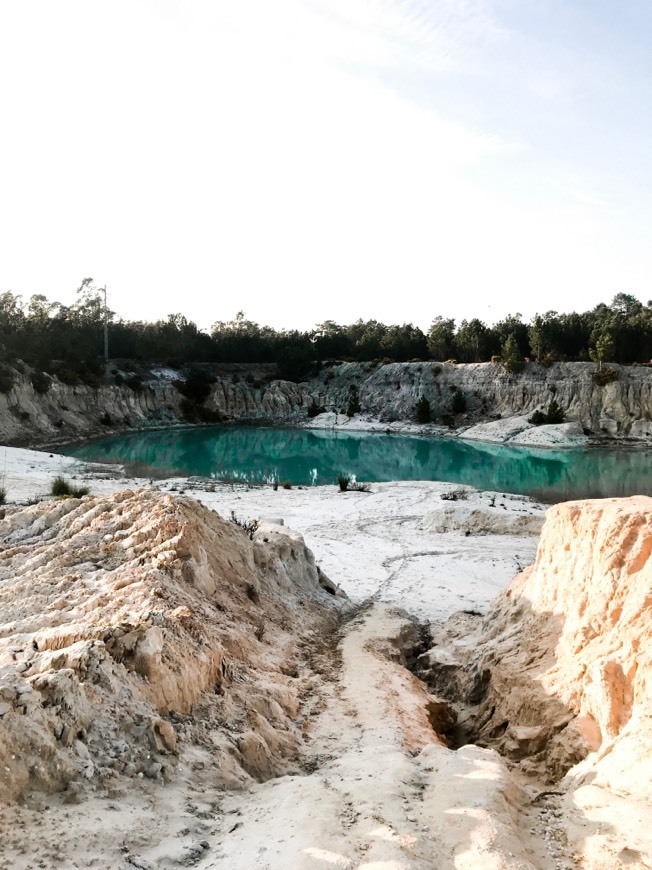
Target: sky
{"points": [[305, 160]]}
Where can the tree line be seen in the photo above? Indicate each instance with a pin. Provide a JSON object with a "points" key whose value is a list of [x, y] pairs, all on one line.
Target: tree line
{"points": [[68, 340]]}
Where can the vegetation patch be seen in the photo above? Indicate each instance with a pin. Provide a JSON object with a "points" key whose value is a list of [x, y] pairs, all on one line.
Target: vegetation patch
{"points": [[422, 411], [605, 376], [554, 414], [62, 488]]}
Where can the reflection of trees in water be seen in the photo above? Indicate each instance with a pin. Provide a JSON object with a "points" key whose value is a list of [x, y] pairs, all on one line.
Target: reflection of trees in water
{"points": [[257, 453]]}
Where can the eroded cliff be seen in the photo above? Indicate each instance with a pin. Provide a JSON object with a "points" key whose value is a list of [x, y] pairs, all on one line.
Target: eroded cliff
{"points": [[458, 395]]}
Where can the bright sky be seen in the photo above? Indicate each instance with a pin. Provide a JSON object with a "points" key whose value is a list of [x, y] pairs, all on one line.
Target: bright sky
{"points": [[312, 159]]}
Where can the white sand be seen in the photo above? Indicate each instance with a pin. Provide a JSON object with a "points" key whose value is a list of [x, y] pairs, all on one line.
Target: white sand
{"points": [[370, 802]]}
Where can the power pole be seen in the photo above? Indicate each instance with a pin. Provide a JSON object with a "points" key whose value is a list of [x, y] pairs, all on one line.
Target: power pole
{"points": [[106, 335]]}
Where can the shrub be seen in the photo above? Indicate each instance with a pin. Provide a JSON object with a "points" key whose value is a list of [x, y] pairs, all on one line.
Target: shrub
{"points": [[356, 486], [3, 495], [605, 376], [354, 401], [252, 592], [343, 481], [7, 379], [448, 420], [41, 382], [196, 386], [287, 484], [458, 405], [554, 414], [455, 495], [68, 377], [249, 527], [314, 409], [134, 382], [62, 488], [422, 411]]}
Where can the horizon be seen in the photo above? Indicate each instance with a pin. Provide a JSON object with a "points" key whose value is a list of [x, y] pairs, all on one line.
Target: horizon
{"points": [[393, 160]]}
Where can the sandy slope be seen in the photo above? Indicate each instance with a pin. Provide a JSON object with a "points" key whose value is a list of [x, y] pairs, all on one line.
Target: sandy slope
{"points": [[377, 788]]}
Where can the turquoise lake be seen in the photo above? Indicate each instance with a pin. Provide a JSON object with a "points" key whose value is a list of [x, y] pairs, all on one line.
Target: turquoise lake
{"points": [[313, 457]]}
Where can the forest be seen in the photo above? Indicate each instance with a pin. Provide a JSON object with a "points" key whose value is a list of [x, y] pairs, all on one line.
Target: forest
{"points": [[68, 341]]}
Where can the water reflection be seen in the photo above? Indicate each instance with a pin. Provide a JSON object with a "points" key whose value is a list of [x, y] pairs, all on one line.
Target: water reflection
{"points": [[303, 456]]}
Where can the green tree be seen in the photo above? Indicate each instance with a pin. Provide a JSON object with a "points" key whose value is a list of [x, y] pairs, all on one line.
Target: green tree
{"points": [[441, 338], [603, 350], [511, 357]]}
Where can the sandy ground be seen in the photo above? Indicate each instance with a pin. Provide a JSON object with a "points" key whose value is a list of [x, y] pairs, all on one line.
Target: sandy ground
{"points": [[378, 791], [374, 545]]}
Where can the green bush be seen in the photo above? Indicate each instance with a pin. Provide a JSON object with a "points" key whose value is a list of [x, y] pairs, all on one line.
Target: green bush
{"points": [[554, 414], [314, 409], [422, 411], [196, 386], [62, 488], [458, 404], [7, 379], [605, 376], [41, 382], [354, 401], [134, 382]]}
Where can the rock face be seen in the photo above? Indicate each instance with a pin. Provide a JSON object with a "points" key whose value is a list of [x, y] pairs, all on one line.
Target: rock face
{"points": [[561, 669], [622, 408], [123, 614], [558, 679], [66, 412], [390, 392]]}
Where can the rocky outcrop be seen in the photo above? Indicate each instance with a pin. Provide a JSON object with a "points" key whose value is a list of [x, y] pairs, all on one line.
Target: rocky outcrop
{"points": [[121, 615], [560, 670], [557, 678], [459, 395], [68, 412], [622, 408]]}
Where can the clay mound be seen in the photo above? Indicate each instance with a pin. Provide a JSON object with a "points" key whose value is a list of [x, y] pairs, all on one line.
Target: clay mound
{"points": [[563, 666], [482, 520], [122, 614]]}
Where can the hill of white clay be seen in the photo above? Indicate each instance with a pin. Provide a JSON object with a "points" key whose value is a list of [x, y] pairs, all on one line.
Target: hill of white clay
{"points": [[558, 677], [218, 712], [120, 615]]}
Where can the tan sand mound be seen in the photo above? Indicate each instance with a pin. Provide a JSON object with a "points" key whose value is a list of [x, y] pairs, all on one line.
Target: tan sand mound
{"points": [[123, 614], [558, 676]]}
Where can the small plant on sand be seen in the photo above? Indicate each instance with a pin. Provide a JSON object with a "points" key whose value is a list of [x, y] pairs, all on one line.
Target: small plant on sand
{"points": [[249, 527], [348, 483], [3, 495], [455, 495], [252, 592], [62, 488]]}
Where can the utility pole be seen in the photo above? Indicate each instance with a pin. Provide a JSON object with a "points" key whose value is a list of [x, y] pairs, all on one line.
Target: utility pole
{"points": [[106, 335]]}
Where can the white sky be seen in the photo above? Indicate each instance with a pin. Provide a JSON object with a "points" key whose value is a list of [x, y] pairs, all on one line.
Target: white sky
{"points": [[307, 160]]}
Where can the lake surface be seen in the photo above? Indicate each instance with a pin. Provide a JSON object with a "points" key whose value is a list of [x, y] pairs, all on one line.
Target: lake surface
{"points": [[313, 457]]}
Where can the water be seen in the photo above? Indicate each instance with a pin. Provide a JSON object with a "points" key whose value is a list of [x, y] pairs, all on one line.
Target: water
{"points": [[313, 457]]}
